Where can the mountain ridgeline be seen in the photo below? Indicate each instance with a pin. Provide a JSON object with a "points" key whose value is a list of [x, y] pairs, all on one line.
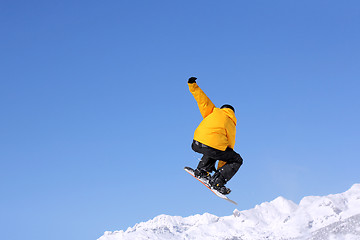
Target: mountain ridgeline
{"points": [[335, 216]]}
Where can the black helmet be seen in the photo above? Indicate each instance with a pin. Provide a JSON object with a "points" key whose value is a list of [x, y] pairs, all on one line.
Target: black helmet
{"points": [[228, 106]]}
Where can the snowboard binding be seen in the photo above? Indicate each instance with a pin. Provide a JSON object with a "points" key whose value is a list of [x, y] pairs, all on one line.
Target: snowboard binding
{"points": [[218, 182]]}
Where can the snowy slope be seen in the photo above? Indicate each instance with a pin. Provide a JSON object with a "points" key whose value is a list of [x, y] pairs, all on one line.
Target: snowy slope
{"points": [[329, 217]]}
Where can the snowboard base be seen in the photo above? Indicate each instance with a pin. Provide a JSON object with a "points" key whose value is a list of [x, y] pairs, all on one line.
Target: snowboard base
{"points": [[206, 183]]}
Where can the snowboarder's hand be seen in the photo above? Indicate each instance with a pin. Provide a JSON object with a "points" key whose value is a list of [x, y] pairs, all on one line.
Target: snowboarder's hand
{"points": [[192, 80]]}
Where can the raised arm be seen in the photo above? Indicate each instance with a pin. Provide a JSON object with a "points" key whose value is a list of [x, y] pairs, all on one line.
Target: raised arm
{"points": [[204, 103]]}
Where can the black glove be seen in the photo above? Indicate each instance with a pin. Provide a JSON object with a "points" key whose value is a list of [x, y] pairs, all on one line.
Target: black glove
{"points": [[192, 80]]}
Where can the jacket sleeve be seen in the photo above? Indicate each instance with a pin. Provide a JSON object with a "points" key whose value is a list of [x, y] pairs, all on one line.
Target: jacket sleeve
{"points": [[204, 103]]}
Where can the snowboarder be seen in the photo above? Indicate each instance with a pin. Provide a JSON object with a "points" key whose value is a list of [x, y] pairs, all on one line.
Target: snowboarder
{"points": [[215, 139]]}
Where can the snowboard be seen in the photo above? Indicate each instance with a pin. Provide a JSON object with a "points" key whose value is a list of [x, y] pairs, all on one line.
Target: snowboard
{"points": [[206, 183]]}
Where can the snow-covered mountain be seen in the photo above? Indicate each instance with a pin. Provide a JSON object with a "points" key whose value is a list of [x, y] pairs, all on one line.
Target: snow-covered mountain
{"points": [[329, 217]]}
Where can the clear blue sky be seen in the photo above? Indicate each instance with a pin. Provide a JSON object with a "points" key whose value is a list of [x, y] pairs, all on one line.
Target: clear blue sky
{"points": [[97, 121]]}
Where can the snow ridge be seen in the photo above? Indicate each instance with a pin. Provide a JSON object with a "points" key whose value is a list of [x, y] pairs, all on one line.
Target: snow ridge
{"points": [[335, 216]]}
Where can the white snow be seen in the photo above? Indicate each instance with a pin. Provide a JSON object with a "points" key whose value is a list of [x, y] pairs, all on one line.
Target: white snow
{"points": [[335, 216]]}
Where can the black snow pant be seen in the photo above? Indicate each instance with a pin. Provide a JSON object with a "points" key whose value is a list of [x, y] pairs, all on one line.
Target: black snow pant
{"points": [[211, 155]]}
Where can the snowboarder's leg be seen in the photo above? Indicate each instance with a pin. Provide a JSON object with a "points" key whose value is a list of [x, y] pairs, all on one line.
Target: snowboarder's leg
{"points": [[233, 162], [207, 163]]}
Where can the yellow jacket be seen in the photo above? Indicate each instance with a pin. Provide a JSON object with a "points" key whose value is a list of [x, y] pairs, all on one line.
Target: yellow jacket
{"points": [[218, 128]]}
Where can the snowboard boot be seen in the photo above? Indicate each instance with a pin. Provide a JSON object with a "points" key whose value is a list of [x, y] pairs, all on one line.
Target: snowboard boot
{"points": [[199, 173], [218, 182]]}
